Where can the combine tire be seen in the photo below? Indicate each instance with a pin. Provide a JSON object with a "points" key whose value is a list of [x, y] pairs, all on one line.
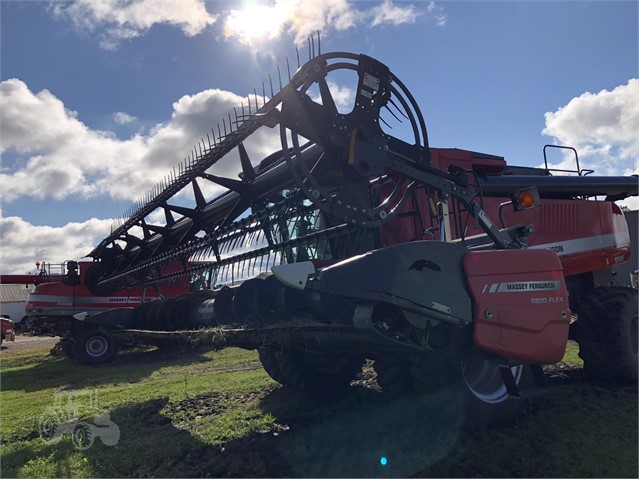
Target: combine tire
{"points": [[63, 347], [394, 375], [94, 347], [472, 391], [268, 358], [311, 371], [606, 330], [484, 395]]}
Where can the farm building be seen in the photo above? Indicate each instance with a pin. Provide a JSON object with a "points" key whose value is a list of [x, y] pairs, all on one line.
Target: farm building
{"points": [[13, 299]]}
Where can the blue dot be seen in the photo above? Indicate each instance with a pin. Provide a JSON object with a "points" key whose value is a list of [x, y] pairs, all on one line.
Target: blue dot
{"points": [[383, 461]]}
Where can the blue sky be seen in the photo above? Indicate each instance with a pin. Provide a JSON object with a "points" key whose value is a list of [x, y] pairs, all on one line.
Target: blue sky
{"points": [[100, 99]]}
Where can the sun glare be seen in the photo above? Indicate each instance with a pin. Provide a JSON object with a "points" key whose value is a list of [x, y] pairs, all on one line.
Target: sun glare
{"points": [[256, 22]]}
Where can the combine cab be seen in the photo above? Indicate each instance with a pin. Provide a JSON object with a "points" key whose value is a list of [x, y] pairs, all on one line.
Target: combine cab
{"points": [[354, 242]]}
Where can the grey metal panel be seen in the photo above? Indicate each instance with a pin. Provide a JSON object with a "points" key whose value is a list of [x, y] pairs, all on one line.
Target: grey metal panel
{"points": [[11, 293], [16, 311], [620, 275]]}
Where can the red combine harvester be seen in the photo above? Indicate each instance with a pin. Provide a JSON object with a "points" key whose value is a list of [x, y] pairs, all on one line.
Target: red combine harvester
{"points": [[444, 266], [63, 298]]}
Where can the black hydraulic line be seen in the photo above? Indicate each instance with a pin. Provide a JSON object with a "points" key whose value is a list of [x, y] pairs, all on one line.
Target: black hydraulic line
{"points": [[558, 187]]}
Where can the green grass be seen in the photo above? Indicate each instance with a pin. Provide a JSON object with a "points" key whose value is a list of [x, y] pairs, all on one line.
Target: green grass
{"points": [[572, 355], [211, 414]]}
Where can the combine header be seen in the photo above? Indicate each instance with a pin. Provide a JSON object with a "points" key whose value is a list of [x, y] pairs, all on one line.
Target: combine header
{"points": [[353, 242]]}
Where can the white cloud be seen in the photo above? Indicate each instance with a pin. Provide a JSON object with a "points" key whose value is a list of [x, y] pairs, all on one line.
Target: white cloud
{"points": [[125, 19], [302, 18], [24, 243], [122, 118], [343, 96], [436, 12], [392, 14], [112, 21], [603, 127], [67, 159]]}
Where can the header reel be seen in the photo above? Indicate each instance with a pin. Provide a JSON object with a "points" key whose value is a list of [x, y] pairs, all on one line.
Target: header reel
{"points": [[344, 163], [351, 180]]}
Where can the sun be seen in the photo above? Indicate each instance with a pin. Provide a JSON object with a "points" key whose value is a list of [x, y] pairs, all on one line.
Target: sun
{"points": [[257, 21]]}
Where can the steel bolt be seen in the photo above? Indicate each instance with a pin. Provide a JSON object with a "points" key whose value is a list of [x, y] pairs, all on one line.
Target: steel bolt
{"points": [[488, 314]]}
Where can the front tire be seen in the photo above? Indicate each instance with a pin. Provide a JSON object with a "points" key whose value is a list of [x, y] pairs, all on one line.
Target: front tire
{"points": [[606, 330], [472, 390], [94, 347], [268, 358], [310, 370], [394, 375]]}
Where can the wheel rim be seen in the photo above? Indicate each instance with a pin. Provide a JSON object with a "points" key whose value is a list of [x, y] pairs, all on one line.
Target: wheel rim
{"points": [[484, 380], [97, 346]]}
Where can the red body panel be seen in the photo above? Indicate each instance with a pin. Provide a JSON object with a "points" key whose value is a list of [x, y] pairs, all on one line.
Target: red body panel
{"points": [[59, 299], [588, 235], [28, 278], [520, 304]]}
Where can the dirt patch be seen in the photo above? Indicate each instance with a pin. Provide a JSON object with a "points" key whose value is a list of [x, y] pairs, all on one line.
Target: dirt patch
{"points": [[562, 373], [26, 343]]}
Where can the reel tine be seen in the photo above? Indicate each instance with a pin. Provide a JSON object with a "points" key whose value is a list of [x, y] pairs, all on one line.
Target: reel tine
{"points": [[230, 122], [255, 94], [297, 54], [288, 69], [385, 123], [263, 95], [390, 100], [319, 43], [308, 39], [313, 44], [391, 112], [279, 75], [270, 81]]}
